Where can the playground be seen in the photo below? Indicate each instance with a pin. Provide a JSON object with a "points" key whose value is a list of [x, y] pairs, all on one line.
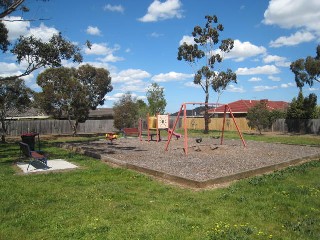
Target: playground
{"points": [[160, 151], [207, 163], [192, 162]]}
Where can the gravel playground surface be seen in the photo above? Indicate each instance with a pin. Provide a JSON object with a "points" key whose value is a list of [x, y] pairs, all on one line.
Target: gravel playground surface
{"points": [[207, 163]]}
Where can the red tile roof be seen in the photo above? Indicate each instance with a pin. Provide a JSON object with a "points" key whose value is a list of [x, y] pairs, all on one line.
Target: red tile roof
{"points": [[242, 106]]}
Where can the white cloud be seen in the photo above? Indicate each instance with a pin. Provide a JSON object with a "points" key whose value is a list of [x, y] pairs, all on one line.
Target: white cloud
{"points": [[171, 76], [130, 75], [156, 35], [267, 69], [243, 50], [101, 49], [303, 14], [192, 84], [114, 97], [273, 58], [98, 49], [233, 88], [8, 68], [117, 96], [29, 79], [137, 86], [114, 8], [162, 10], [16, 27], [264, 88], [277, 60], [286, 85], [274, 79], [8, 74], [93, 31], [13, 69], [313, 89], [239, 52], [43, 32], [293, 39], [187, 39], [96, 64], [111, 58], [255, 79]]}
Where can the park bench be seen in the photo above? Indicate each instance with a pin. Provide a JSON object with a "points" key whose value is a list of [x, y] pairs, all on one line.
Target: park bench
{"points": [[32, 155], [131, 132]]}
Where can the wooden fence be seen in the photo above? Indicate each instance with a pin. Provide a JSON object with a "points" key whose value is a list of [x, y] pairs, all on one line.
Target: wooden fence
{"points": [[49, 127], [311, 126], [216, 124]]}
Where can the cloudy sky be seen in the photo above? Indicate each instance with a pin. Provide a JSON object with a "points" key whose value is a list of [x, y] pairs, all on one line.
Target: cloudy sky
{"points": [[137, 41]]}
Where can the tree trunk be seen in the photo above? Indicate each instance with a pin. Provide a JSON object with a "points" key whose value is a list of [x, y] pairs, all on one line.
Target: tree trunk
{"points": [[3, 138], [4, 129], [206, 114], [260, 130], [75, 126]]}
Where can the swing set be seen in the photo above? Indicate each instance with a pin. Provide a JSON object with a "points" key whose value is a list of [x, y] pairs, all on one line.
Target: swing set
{"points": [[183, 109]]}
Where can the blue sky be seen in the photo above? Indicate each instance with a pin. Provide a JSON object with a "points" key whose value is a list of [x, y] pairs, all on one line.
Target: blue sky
{"points": [[137, 41]]}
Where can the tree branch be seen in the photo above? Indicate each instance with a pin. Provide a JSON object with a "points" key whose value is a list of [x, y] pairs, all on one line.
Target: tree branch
{"points": [[26, 73], [25, 20], [11, 8]]}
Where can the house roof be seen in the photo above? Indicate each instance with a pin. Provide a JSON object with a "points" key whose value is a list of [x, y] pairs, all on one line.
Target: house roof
{"points": [[194, 112], [242, 106], [30, 113], [101, 112]]}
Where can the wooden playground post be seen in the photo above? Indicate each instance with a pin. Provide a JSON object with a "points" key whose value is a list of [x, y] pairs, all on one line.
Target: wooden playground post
{"points": [[140, 129], [148, 126]]}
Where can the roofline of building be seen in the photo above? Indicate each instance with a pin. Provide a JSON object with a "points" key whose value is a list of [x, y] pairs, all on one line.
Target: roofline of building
{"points": [[27, 117]]}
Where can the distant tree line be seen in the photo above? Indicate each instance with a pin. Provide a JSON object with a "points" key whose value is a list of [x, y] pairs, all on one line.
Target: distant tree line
{"points": [[66, 92], [300, 109], [15, 96], [128, 109]]}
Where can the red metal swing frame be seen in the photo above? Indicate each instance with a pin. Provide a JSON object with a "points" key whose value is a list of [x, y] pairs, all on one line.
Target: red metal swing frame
{"points": [[184, 109]]}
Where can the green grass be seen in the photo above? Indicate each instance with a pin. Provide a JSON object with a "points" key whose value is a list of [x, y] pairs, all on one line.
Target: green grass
{"points": [[100, 202]]}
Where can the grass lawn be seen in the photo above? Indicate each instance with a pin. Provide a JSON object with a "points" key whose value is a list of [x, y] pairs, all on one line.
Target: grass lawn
{"points": [[100, 202]]}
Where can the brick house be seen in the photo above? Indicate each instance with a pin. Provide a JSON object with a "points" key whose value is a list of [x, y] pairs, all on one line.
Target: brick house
{"points": [[240, 108]]}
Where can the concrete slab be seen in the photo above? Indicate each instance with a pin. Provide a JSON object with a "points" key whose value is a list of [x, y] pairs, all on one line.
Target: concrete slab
{"points": [[54, 165]]}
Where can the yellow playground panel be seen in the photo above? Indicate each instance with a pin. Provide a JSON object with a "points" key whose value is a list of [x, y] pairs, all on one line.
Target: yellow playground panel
{"points": [[157, 123]]}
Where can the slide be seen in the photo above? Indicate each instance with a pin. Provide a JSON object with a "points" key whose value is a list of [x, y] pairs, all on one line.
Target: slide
{"points": [[177, 135]]}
